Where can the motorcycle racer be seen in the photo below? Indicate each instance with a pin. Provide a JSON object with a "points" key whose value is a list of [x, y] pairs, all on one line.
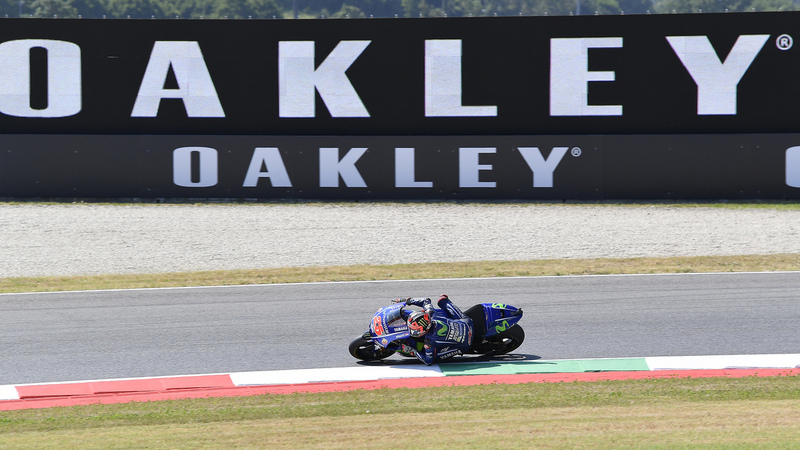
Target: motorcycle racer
{"points": [[437, 337]]}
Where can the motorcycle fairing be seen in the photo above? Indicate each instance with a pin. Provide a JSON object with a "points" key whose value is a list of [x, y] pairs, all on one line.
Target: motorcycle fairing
{"points": [[500, 317], [389, 325]]}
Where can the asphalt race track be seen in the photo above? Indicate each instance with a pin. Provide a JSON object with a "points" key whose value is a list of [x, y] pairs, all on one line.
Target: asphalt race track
{"points": [[70, 336]]}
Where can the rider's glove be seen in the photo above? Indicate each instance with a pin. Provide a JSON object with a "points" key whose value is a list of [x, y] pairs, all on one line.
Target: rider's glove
{"points": [[401, 300], [418, 301], [407, 349]]}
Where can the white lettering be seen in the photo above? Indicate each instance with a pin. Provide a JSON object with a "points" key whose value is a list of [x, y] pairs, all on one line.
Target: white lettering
{"points": [[469, 167], [330, 167], [716, 81], [443, 82], [298, 80], [404, 170], [793, 167], [570, 77], [63, 78], [542, 168], [270, 159], [195, 87], [182, 167]]}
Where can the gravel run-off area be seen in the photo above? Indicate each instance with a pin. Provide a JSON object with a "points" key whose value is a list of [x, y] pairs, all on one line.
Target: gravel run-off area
{"points": [[85, 239]]}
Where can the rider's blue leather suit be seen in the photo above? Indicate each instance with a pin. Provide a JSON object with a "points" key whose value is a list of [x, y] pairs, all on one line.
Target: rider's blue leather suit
{"points": [[450, 335]]}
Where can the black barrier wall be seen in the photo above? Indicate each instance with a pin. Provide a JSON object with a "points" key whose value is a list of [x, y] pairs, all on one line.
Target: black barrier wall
{"points": [[402, 167], [615, 107]]}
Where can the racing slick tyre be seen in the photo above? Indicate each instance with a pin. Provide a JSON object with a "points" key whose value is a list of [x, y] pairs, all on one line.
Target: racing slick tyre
{"points": [[365, 350], [508, 340]]}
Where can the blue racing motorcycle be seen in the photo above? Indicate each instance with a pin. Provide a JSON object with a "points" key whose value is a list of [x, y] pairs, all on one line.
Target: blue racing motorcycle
{"points": [[495, 329]]}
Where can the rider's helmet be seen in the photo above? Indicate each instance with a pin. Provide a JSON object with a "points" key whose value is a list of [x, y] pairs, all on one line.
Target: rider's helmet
{"points": [[419, 322]]}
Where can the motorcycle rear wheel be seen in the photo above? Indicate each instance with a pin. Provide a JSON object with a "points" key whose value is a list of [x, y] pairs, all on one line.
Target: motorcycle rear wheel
{"points": [[366, 350], [508, 340]]}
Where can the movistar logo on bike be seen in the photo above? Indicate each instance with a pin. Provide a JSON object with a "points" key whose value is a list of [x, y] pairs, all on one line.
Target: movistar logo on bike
{"points": [[502, 327]]}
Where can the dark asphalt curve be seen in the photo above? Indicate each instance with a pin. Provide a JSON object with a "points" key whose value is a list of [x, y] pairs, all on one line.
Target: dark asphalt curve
{"points": [[71, 336]]}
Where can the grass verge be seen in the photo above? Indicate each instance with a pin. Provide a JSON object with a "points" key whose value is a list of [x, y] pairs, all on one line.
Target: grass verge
{"points": [[701, 412], [555, 267]]}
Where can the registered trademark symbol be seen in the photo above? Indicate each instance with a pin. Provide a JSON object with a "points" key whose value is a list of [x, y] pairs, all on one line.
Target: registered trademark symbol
{"points": [[576, 151], [784, 42]]}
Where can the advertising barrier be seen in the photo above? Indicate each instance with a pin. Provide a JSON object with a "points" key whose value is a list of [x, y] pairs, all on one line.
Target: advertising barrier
{"points": [[740, 166], [700, 106]]}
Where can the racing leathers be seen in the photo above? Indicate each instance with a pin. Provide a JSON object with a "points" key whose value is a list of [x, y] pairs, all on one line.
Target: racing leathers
{"points": [[450, 334]]}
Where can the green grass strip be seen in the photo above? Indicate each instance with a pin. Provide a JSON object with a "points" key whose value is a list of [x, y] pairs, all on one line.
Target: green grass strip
{"points": [[704, 413], [480, 269]]}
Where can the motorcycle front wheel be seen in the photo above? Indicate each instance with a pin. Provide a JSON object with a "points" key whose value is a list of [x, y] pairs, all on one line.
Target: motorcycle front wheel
{"points": [[366, 350]]}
